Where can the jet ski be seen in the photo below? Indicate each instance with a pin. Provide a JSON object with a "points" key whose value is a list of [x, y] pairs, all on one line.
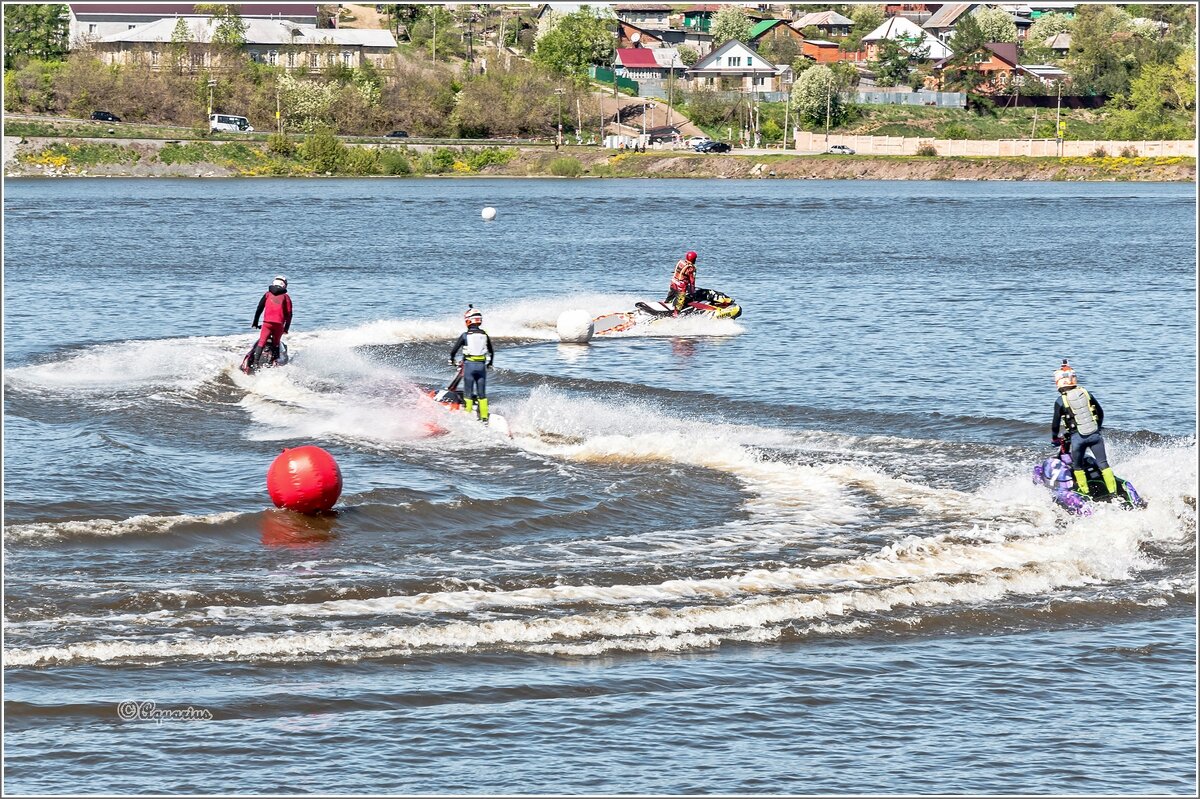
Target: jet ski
{"points": [[267, 358], [703, 303], [1057, 474], [451, 398]]}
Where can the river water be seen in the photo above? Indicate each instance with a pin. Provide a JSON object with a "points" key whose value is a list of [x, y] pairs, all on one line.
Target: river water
{"points": [[796, 552]]}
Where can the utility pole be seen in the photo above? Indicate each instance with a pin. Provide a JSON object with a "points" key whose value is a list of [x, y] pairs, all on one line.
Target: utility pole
{"points": [[787, 107], [278, 110], [558, 93], [433, 13], [671, 89], [212, 82], [1058, 118], [578, 120]]}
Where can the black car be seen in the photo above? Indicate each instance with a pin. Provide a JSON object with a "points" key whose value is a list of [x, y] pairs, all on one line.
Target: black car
{"points": [[713, 147], [105, 116], [398, 134]]}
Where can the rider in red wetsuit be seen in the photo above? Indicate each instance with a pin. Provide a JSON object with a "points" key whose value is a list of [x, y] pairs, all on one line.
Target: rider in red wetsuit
{"points": [[683, 282], [275, 308]]}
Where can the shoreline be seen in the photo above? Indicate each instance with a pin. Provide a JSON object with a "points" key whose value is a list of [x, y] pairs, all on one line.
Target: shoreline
{"points": [[72, 157]]}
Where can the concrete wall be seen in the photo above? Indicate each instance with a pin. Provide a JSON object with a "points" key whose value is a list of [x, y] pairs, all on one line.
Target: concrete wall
{"points": [[897, 145]]}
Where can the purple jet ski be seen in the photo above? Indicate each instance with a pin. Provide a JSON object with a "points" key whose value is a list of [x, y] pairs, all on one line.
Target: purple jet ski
{"points": [[1056, 473]]}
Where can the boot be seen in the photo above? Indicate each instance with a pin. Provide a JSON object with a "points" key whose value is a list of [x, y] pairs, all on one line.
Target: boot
{"points": [[483, 411], [1110, 480], [1081, 482], [469, 405], [252, 361]]}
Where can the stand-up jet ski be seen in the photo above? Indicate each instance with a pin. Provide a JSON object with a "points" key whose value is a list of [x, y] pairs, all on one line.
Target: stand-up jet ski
{"points": [[264, 358], [451, 399], [1057, 474]]}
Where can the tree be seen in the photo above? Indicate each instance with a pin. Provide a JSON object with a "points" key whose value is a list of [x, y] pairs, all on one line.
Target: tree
{"points": [[1100, 60], [579, 40], [996, 24], [816, 95], [866, 19], [960, 73], [34, 33], [779, 49], [688, 55], [1048, 25], [896, 57], [1158, 98], [730, 22], [181, 40], [230, 30], [434, 28]]}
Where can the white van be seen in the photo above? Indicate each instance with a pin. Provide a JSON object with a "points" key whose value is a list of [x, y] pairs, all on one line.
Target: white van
{"points": [[225, 123]]}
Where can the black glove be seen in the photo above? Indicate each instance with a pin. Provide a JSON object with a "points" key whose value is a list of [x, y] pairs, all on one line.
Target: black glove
{"points": [[1056, 441]]}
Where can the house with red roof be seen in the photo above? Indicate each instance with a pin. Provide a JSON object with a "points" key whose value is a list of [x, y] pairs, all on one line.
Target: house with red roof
{"points": [[649, 64]]}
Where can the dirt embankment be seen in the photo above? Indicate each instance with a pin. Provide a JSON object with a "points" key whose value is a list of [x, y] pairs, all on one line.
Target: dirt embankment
{"points": [[148, 158], [681, 165]]}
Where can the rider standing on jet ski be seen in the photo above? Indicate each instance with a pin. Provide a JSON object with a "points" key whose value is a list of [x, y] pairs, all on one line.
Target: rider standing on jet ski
{"points": [[1083, 417], [275, 308], [478, 355]]}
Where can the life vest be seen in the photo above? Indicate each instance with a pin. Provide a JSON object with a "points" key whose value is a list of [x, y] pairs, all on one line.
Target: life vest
{"points": [[477, 345], [684, 278], [273, 310], [1079, 404]]}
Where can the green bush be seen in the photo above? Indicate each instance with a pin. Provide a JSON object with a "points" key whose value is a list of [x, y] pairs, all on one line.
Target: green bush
{"points": [[954, 130], [927, 149], [566, 167], [394, 162], [477, 159], [279, 144], [361, 161], [438, 162], [324, 152]]}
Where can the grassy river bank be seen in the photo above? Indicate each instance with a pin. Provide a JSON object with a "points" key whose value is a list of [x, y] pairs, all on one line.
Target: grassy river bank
{"points": [[67, 156]]}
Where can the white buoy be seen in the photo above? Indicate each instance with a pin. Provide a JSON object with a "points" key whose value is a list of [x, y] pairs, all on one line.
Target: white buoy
{"points": [[575, 327], [488, 214]]}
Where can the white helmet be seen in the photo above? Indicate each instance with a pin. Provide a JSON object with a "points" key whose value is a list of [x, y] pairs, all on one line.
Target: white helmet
{"points": [[1064, 376], [473, 317], [280, 280]]}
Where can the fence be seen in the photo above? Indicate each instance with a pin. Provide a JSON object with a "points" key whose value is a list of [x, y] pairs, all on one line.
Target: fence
{"points": [[603, 75], [938, 99], [900, 145]]}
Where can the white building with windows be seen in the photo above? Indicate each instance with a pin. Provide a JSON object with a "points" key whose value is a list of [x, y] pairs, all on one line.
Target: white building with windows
{"points": [[274, 42], [90, 22], [735, 67]]}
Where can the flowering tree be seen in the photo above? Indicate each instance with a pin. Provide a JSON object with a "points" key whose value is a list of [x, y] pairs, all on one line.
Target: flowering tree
{"points": [[730, 23]]}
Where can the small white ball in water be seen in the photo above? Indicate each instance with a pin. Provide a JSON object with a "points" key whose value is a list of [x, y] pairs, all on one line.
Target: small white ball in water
{"points": [[575, 327], [488, 213]]}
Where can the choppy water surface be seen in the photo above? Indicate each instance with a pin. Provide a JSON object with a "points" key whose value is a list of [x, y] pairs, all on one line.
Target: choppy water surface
{"points": [[797, 552]]}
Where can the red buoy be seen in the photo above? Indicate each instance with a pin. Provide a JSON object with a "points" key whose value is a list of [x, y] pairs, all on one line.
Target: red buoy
{"points": [[305, 479]]}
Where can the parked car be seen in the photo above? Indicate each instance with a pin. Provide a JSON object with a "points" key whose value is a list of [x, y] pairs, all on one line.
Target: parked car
{"points": [[696, 141], [227, 123], [105, 116], [713, 147], [398, 134], [841, 149]]}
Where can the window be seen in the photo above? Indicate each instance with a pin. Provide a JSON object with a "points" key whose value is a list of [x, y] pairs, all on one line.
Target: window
{"points": [[255, 57], [347, 57], [331, 59], [92, 28], [980, 58], [313, 60], [273, 58], [749, 61], [197, 60], [735, 61], [291, 60], [758, 81], [153, 58], [131, 27]]}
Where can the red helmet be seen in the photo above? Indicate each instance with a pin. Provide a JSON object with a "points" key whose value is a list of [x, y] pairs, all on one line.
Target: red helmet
{"points": [[691, 256], [473, 317]]}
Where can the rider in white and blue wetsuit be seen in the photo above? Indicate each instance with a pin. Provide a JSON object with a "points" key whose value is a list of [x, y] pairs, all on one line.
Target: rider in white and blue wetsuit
{"points": [[478, 355]]}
